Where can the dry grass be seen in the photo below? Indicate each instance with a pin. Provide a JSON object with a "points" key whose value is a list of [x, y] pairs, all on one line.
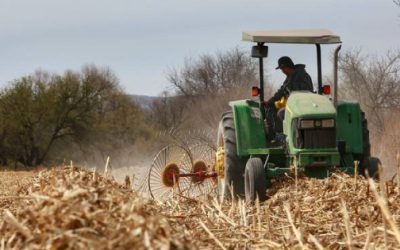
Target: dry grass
{"points": [[70, 208], [331, 213], [11, 184]]}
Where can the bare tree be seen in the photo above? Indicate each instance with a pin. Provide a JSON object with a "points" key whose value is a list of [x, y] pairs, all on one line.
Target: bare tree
{"points": [[205, 86], [200, 92], [211, 75], [168, 112]]}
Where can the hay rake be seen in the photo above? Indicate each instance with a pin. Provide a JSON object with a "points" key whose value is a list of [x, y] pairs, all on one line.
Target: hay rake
{"points": [[180, 171]]}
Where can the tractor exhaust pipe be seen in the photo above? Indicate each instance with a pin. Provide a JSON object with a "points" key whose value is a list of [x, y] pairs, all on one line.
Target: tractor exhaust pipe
{"points": [[335, 74]]}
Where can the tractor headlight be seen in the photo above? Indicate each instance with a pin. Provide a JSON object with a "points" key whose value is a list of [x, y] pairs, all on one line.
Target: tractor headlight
{"points": [[307, 124], [328, 123]]}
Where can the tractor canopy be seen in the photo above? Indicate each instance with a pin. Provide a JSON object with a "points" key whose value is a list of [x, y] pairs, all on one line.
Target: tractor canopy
{"points": [[306, 36]]}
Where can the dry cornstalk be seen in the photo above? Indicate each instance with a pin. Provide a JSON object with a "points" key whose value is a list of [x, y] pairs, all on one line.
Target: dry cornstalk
{"points": [[398, 170], [127, 182], [10, 218], [296, 232], [346, 220], [383, 192], [212, 235], [385, 211], [356, 163], [316, 242], [106, 171]]}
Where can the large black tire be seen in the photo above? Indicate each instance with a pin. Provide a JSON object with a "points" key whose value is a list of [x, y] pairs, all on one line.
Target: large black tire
{"points": [[234, 165], [369, 165], [254, 181], [365, 135], [372, 166], [363, 158]]}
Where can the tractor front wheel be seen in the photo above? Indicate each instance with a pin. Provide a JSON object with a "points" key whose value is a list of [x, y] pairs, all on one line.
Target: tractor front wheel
{"points": [[255, 181]]}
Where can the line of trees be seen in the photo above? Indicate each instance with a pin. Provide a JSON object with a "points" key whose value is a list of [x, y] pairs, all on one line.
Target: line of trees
{"points": [[85, 116], [44, 117]]}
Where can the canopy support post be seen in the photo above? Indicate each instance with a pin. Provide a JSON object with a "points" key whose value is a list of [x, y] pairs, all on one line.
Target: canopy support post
{"points": [[319, 68]]}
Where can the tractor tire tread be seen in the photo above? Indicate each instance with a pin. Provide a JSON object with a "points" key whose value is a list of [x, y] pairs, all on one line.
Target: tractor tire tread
{"points": [[255, 181], [234, 165]]}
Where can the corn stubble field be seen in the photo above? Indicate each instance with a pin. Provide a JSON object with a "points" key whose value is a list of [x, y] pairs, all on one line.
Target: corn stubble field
{"points": [[68, 207]]}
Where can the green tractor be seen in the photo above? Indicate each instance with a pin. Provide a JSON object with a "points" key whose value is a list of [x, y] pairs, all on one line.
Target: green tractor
{"points": [[322, 135]]}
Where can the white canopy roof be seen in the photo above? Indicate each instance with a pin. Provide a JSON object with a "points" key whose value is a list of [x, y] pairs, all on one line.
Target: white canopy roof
{"points": [[309, 36]]}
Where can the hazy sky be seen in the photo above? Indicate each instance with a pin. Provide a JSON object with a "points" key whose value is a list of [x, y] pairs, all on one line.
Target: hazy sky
{"points": [[141, 40]]}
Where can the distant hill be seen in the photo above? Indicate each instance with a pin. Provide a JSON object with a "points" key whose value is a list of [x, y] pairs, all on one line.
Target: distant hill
{"points": [[143, 101]]}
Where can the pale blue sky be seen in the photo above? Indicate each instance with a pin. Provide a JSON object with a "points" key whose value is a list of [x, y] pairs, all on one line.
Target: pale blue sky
{"points": [[141, 40]]}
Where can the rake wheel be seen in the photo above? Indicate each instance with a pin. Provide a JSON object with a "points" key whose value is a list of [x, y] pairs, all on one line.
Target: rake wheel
{"points": [[163, 181], [177, 171]]}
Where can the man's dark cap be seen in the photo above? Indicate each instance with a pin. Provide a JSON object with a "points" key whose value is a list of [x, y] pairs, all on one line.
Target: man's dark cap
{"points": [[285, 61]]}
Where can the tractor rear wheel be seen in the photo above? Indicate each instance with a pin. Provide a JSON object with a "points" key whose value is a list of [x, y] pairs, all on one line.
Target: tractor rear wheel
{"points": [[365, 136], [372, 164], [369, 165], [233, 164], [255, 182]]}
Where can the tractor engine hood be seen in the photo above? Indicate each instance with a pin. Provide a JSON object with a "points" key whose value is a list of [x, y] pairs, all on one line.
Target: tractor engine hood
{"points": [[303, 104]]}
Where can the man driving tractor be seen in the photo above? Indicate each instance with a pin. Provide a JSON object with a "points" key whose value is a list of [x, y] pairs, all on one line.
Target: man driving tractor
{"points": [[297, 79]]}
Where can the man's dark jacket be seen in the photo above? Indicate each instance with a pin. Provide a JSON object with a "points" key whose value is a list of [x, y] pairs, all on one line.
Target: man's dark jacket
{"points": [[299, 80]]}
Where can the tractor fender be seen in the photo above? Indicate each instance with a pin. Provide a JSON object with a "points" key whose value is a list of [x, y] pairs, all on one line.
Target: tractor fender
{"points": [[249, 125]]}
